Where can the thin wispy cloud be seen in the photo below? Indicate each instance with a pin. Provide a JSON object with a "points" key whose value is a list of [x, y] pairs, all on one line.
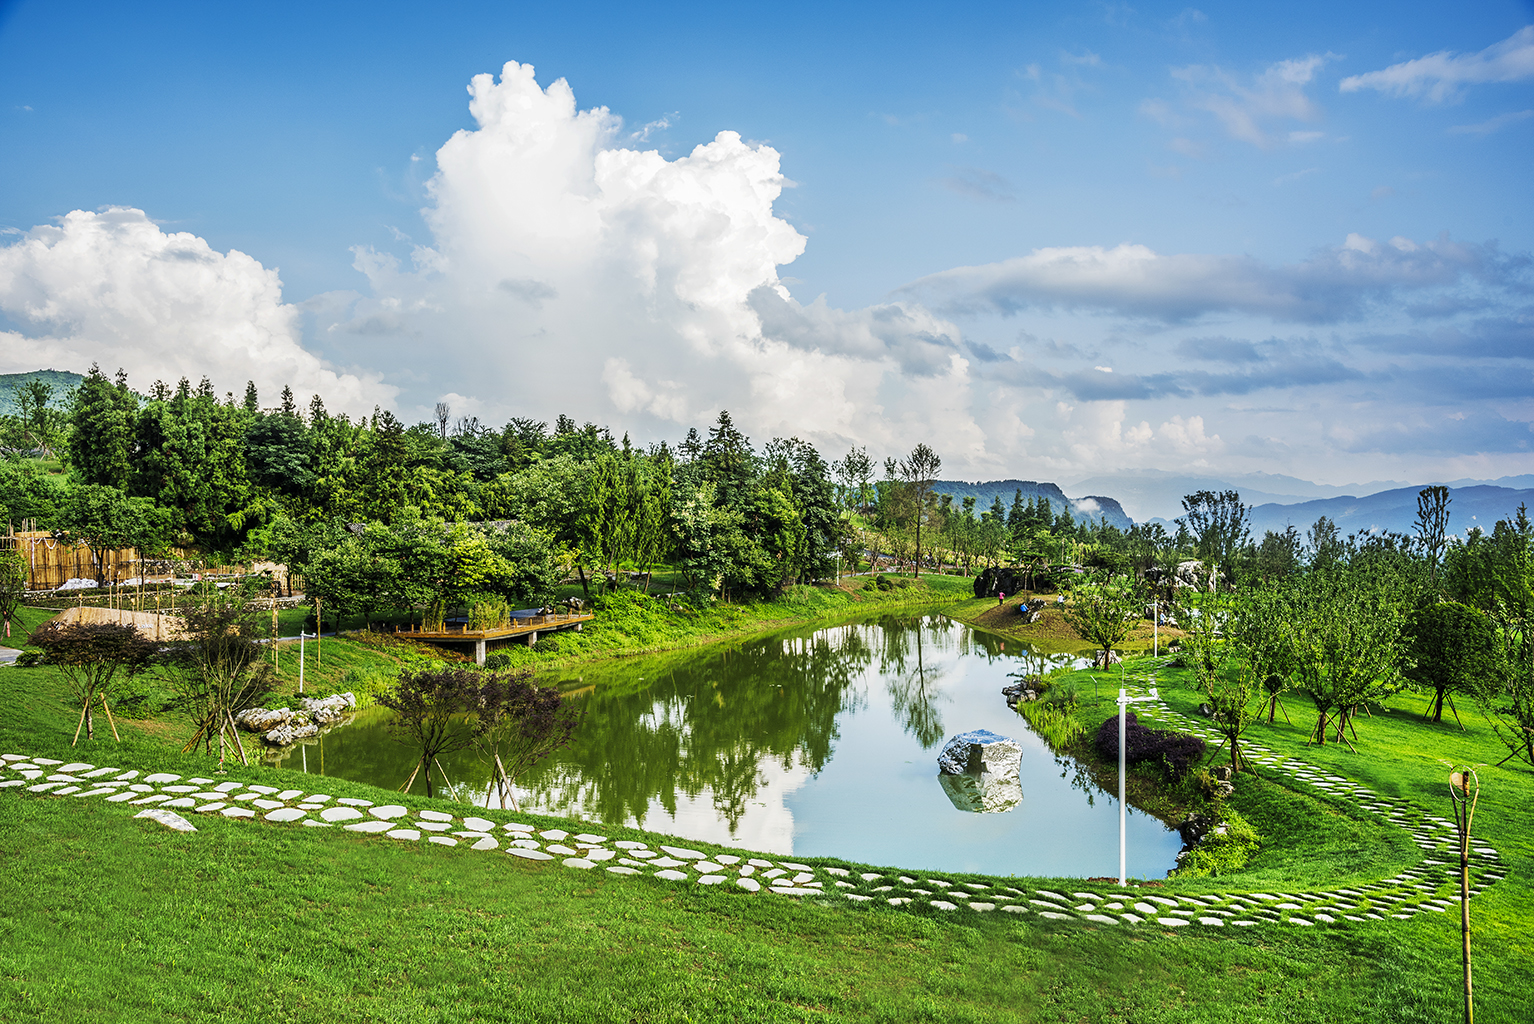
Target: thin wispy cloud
{"points": [[977, 183], [1492, 125], [1443, 77]]}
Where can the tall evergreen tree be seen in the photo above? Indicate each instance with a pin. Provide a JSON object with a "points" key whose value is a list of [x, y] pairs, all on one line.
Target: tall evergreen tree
{"points": [[101, 416]]}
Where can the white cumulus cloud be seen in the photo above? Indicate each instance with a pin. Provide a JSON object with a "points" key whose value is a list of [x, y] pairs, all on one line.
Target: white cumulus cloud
{"points": [[113, 288]]}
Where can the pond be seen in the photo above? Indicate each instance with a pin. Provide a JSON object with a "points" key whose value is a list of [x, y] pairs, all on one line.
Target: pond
{"points": [[818, 742]]}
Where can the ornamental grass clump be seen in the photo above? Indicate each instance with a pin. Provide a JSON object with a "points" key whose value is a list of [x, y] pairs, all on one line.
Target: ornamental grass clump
{"points": [[1224, 849], [1176, 751]]}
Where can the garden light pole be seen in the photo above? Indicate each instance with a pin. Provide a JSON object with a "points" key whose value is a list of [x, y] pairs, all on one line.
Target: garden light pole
{"points": [[1124, 701], [1465, 789]]}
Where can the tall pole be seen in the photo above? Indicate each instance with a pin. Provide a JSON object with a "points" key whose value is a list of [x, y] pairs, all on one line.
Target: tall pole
{"points": [[1123, 703], [301, 635]]}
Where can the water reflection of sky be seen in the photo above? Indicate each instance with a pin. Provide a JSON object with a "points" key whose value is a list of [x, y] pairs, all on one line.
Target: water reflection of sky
{"points": [[810, 743]]}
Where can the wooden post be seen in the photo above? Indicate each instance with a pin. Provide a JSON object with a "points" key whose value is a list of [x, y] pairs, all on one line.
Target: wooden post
{"points": [[275, 645]]}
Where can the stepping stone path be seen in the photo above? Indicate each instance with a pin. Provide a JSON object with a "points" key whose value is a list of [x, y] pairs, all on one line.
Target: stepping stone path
{"points": [[1430, 887]]}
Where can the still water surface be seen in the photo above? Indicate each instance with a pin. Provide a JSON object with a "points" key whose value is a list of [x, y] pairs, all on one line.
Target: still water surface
{"points": [[809, 743]]}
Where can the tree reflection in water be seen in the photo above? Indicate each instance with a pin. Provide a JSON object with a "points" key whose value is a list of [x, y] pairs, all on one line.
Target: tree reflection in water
{"points": [[913, 687], [707, 723]]}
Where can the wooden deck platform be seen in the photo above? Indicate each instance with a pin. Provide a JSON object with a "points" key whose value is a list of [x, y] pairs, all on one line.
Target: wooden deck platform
{"points": [[523, 630]]}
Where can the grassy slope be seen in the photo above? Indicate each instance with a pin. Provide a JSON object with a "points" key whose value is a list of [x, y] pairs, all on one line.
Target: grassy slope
{"points": [[1051, 634], [121, 920]]}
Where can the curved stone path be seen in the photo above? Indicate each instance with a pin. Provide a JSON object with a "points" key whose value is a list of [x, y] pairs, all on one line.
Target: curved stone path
{"points": [[1431, 887]]}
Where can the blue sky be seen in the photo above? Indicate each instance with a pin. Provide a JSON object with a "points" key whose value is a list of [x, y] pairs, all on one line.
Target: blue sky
{"points": [[1054, 241]]}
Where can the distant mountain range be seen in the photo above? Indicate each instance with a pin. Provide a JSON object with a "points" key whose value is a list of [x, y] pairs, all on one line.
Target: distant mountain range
{"points": [[1091, 507], [1390, 507]]}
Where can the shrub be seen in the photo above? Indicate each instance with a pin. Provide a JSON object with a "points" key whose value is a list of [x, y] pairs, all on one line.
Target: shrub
{"points": [[548, 645], [1176, 751], [1224, 849], [497, 662]]}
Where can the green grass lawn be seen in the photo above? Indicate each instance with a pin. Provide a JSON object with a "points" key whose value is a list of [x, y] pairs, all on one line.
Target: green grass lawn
{"points": [[107, 918]]}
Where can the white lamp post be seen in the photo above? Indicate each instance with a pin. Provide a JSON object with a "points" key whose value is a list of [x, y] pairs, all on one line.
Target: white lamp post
{"points": [[1124, 701]]}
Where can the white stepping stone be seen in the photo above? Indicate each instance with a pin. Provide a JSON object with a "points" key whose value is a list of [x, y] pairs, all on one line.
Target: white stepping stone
{"points": [[267, 805], [67, 790], [115, 798], [1175, 922], [388, 812], [747, 870], [579, 862], [408, 834], [642, 854], [774, 873], [682, 853], [479, 824], [155, 779], [340, 814], [43, 787], [1132, 919], [787, 864], [1043, 913], [93, 792], [517, 851], [317, 824], [368, 826], [352, 801], [525, 844], [711, 879], [838, 872], [900, 901], [749, 884], [725, 858], [856, 897], [562, 850], [982, 907], [157, 798], [433, 826], [51, 761], [434, 816], [184, 801], [264, 790], [211, 808], [180, 789], [13, 757], [200, 782], [708, 867], [228, 787], [945, 905], [587, 837], [555, 834], [210, 794], [170, 819], [290, 794], [632, 863], [238, 812], [286, 814], [667, 862], [442, 840], [317, 798], [758, 863], [1098, 918], [101, 771], [625, 844], [310, 807], [517, 826], [1214, 922], [33, 773], [487, 843], [614, 869], [76, 767]]}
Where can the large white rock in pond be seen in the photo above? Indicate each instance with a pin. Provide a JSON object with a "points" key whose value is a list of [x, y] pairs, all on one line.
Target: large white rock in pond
{"points": [[980, 751]]}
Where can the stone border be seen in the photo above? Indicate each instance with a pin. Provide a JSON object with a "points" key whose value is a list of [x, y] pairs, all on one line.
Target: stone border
{"points": [[1431, 887]]}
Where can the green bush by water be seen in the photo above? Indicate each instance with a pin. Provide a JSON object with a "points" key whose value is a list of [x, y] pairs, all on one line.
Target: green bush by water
{"points": [[1221, 852]]}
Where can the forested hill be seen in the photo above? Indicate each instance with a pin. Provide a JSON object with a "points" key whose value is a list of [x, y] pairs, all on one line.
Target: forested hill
{"points": [[62, 382], [1092, 508]]}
